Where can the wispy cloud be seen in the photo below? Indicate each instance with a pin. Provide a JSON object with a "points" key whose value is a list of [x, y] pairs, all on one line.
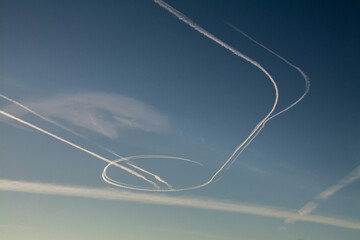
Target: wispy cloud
{"points": [[102, 113], [201, 203]]}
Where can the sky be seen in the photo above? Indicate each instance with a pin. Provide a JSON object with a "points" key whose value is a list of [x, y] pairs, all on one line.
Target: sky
{"points": [[179, 120]]}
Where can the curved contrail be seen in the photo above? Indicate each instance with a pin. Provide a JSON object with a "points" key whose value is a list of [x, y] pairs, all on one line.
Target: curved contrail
{"points": [[269, 116], [234, 155], [306, 79]]}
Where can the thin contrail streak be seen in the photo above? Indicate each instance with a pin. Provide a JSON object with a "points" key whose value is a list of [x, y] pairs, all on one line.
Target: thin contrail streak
{"points": [[353, 176], [42, 117], [81, 136], [147, 172], [77, 146]]}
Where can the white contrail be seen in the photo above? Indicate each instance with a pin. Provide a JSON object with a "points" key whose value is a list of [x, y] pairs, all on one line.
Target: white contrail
{"points": [[324, 195], [42, 117], [131, 158], [190, 202], [79, 135], [189, 22], [306, 78], [350, 178], [115, 162], [261, 124], [78, 147]]}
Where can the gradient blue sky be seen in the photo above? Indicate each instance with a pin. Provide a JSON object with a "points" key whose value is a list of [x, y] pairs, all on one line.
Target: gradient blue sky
{"points": [[131, 77]]}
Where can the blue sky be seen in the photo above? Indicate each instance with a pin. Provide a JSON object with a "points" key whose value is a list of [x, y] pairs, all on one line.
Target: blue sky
{"points": [[130, 78]]}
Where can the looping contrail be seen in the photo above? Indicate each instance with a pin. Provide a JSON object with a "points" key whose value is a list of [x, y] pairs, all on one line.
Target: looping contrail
{"points": [[128, 160]]}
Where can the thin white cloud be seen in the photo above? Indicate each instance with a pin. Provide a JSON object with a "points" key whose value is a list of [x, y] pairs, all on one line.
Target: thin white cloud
{"points": [[201, 203], [80, 148], [102, 113]]}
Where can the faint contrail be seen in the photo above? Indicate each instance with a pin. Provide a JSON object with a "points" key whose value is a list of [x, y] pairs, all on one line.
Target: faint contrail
{"points": [[348, 179], [353, 176]]}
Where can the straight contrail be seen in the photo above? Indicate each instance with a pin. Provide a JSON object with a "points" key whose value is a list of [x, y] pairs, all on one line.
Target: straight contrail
{"points": [[77, 146], [166, 200]]}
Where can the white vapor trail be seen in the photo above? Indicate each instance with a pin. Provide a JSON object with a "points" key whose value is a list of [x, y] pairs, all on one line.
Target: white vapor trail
{"points": [[306, 78], [269, 116], [348, 179], [78, 147], [191, 202], [121, 158], [110, 163], [324, 195]]}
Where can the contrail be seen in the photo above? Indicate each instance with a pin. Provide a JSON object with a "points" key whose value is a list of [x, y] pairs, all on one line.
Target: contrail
{"points": [[306, 78], [110, 163], [353, 176], [193, 25], [129, 159], [81, 136], [77, 146], [166, 200], [348, 179], [269, 116], [42, 117]]}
